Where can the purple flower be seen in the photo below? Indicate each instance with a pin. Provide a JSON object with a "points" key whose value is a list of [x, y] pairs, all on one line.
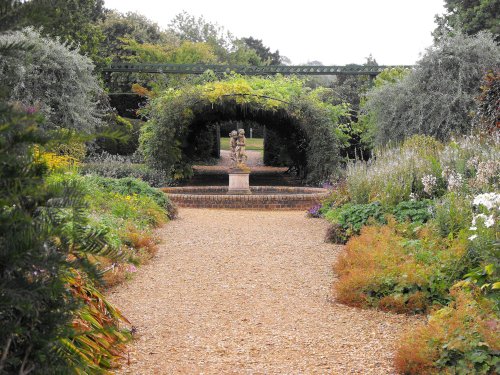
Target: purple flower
{"points": [[31, 110], [327, 185], [314, 211]]}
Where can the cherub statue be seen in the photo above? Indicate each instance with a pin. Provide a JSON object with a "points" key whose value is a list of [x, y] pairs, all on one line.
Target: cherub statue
{"points": [[241, 155], [233, 142]]}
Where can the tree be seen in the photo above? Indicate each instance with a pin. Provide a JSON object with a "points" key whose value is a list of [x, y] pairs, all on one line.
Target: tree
{"points": [[226, 47], [351, 90], [188, 27], [266, 56], [437, 97], [49, 76], [469, 17], [118, 28], [186, 52], [74, 21]]}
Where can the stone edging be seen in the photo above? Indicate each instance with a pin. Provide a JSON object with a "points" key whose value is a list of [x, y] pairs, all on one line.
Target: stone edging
{"points": [[279, 197]]}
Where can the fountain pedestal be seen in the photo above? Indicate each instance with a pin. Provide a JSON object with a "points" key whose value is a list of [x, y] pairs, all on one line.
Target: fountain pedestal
{"points": [[239, 182]]}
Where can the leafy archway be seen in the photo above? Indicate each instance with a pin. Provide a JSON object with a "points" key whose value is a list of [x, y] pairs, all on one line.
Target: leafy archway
{"points": [[307, 125]]}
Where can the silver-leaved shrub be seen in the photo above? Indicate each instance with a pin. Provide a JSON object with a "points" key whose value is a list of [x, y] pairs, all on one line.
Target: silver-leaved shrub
{"points": [[53, 78], [437, 97]]}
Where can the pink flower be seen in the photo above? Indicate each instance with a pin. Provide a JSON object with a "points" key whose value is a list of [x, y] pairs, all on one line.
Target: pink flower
{"points": [[31, 110], [132, 268]]}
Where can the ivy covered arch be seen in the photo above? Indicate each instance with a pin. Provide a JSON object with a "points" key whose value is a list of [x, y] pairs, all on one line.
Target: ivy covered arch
{"points": [[308, 126]]}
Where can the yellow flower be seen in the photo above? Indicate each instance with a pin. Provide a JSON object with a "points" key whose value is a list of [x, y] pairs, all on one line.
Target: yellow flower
{"points": [[53, 160]]}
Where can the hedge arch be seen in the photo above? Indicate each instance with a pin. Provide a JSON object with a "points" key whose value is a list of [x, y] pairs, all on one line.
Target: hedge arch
{"points": [[307, 125]]}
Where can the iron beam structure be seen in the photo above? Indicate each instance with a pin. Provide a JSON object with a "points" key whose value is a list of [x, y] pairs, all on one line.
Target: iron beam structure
{"points": [[249, 70]]}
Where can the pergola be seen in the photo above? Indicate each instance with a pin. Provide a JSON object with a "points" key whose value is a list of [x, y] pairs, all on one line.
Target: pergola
{"points": [[335, 70]]}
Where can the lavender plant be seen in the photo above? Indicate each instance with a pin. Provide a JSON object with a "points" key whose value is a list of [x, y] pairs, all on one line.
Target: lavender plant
{"points": [[119, 166], [469, 165]]}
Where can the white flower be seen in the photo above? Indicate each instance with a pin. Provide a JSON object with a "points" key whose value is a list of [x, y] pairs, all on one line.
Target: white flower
{"points": [[488, 200], [473, 237], [429, 182], [446, 172], [487, 170], [479, 216], [473, 162], [455, 181], [488, 223]]}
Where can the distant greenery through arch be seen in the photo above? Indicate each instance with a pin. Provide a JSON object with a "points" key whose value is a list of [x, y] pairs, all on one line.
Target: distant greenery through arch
{"points": [[304, 122]]}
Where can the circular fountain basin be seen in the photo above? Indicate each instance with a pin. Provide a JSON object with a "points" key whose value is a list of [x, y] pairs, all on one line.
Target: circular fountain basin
{"points": [[262, 197]]}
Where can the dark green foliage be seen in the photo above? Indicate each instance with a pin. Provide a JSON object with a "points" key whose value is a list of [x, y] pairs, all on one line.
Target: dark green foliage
{"points": [[469, 17], [453, 213], [203, 143], [266, 56], [129, 133], [33, 299], [414, 211], [352, 217], [352, 90], [275, 151], [74, 21], [43, 234]]}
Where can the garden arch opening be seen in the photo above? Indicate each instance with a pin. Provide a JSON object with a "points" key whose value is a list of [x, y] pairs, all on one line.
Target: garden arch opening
{"points": [[181, 125], [285, 141]]}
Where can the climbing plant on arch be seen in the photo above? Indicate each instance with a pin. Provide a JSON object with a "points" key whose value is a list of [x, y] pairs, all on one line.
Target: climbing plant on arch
{"points": [[307, 125]]}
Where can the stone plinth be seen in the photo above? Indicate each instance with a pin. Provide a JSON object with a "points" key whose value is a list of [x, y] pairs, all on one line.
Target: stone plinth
{"points": [[239, 182]]}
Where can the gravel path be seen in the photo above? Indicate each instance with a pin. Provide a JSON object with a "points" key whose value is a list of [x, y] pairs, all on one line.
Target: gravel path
{"points": [[257, 300]]}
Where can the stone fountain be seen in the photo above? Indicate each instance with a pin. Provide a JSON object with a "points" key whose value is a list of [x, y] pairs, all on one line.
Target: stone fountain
{"points": [[239, 194]]}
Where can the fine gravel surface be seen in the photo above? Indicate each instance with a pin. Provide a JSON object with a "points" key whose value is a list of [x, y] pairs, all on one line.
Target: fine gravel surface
{"points": [[249, 292]]}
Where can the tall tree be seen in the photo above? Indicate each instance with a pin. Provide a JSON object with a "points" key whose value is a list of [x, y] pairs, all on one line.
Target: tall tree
{"points": [[226, 47], [188, 27], [469, 17], [73, 21], [117, 28], [267, 57]]}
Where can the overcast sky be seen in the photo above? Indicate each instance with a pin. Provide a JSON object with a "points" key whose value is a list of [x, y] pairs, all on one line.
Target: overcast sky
{"points": [[335, 32]]}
